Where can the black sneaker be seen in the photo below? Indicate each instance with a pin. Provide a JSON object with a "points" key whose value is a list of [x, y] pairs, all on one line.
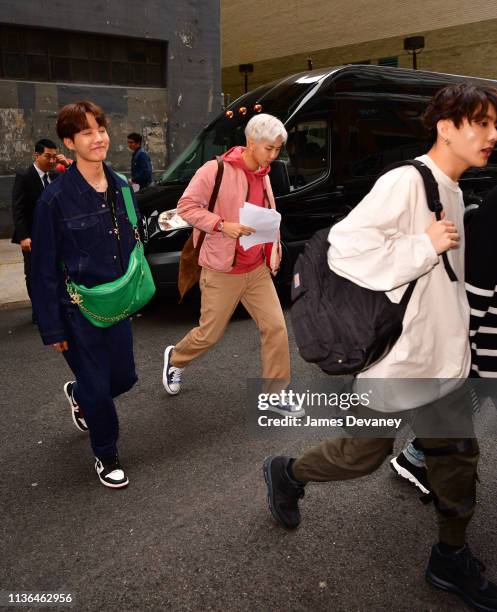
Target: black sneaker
{"points": [[415, 474], [461, 573], [111, 473], [77, 413], [283, 494]]}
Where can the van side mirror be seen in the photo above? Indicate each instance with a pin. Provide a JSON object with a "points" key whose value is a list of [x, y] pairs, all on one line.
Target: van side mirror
{"points": [[280, 182]]}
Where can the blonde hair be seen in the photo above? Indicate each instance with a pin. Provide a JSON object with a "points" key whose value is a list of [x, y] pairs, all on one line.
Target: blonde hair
{"points": [[265, 127]]}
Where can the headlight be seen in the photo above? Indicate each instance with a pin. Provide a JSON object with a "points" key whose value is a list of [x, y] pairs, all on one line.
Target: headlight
{"points": [[170, 220]]}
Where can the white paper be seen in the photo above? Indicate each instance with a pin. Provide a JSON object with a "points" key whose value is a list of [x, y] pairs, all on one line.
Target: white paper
{"points": [[169, 220], [265, 221]]}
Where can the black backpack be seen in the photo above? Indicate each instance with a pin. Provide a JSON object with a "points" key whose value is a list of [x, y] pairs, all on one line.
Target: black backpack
{"points": [[340, 326]]}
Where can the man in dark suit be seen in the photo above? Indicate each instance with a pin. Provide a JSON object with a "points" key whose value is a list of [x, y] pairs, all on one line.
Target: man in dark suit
{"points": [[28, 185]]}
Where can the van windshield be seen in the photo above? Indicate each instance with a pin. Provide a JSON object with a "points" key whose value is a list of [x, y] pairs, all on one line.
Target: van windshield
{"points": [[214, 140], [223, 133]]}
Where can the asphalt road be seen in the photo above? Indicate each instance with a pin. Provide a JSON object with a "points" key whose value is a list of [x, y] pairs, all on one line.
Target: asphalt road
{"points": [[192, 531]]}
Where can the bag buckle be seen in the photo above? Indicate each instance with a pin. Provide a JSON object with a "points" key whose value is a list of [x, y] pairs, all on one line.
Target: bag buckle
{"points": [[73, 294]]}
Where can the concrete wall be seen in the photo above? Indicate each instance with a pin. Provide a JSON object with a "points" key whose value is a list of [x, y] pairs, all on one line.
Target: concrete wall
{"points": [[28, 112], [263, 30], [168, 117], [460, 38]]}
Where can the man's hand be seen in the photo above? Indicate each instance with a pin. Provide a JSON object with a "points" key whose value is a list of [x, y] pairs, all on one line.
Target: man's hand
{"points": [[443, 235], [62, 159], [26, 245], [235, 230], [61, 346]]}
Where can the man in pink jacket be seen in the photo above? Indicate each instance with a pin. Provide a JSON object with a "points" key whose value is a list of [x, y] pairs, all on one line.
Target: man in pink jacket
{"points": [[231, 274]]}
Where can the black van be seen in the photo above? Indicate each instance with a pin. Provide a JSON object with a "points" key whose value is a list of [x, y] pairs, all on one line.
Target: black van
{"points": [[344, 125]]}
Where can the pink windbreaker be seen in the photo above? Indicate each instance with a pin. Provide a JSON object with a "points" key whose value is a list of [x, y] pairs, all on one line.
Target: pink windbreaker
{"points": [[218, 251]]}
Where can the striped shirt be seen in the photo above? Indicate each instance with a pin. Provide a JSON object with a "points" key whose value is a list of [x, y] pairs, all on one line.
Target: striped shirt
{"points": [[481, 286]]}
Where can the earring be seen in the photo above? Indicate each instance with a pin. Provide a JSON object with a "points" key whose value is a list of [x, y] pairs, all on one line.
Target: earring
{"points": [[447, 141]]}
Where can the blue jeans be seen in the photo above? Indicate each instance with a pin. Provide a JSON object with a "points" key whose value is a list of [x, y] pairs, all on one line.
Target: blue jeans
{"points": [[414, 453]]}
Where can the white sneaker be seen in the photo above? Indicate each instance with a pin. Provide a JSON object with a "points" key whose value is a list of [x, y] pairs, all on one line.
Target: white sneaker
{"points": [[111, 473], [77, 413], [286, 410], [171, 376]]}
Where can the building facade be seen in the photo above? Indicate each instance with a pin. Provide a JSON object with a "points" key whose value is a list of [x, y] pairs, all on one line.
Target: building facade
{"points": [[153, 66], [287, 36]]}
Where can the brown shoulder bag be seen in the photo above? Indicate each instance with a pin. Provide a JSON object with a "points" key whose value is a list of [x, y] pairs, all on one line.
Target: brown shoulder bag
{"points": [[189, 270]]}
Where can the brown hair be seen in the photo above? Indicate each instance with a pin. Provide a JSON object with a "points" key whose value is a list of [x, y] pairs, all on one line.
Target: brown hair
{"points": [[458, 102], [72, 118]]}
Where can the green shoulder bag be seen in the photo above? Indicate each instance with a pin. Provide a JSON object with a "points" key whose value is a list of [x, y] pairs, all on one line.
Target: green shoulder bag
{"points": [[107, 304]]}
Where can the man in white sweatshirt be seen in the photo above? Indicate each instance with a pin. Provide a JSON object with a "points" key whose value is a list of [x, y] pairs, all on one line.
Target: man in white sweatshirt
{"points": [[389, 239]]}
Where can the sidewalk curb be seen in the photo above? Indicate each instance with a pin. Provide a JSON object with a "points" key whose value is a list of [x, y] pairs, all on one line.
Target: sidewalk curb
{"points": [[14, 305]]}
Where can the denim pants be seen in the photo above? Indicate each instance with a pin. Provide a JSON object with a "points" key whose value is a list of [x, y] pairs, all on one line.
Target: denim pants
{"points": [[103, 364]]}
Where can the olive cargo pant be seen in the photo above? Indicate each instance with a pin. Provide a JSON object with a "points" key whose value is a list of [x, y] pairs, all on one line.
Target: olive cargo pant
{"points": [[451, 463]]}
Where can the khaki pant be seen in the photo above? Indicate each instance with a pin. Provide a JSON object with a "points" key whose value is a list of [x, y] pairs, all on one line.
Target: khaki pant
{"points": [[451, 475], [221, 294]]}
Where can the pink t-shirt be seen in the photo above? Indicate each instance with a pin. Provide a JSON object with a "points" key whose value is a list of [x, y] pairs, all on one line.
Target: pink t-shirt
{"points": [[246, 261]]}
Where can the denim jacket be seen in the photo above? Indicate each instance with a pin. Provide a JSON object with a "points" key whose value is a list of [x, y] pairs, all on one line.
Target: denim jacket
{"points": [[74, 224]]}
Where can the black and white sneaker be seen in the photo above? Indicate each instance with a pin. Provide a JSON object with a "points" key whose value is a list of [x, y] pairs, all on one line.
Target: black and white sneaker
{"points": [[111, 473], [415, 474], [77, 413], [171, 376]]}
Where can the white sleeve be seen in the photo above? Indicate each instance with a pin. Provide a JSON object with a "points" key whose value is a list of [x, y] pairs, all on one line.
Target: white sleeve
{"points": [[372, 246]]}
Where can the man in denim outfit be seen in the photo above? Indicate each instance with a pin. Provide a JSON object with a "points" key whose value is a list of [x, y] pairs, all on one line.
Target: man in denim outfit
{"points": [[81, 231]]}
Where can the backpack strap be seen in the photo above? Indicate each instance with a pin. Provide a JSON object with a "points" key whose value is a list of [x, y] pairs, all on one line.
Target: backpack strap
{"points": [[407, 295], [432, 198], [212, 201]]}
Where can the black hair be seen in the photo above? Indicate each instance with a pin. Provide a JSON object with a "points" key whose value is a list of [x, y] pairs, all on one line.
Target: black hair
{"points": [[44, 143], [457, 102], [135, 137]]}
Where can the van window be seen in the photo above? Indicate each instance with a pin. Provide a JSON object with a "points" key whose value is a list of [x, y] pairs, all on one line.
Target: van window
{"points": [[306, 152], [215, 140], [382, 132]]}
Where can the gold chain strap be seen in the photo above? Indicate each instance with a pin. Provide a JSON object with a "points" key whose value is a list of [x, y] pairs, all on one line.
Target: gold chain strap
{"points": [[77, 298]]}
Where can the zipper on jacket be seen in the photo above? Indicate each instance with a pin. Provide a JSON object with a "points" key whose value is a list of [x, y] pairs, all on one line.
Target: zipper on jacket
{"points": [[115, 231]]}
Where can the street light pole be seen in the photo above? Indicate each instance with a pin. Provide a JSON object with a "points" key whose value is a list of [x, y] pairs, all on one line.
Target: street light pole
{"points": [[414, 45], [245, 69]]}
